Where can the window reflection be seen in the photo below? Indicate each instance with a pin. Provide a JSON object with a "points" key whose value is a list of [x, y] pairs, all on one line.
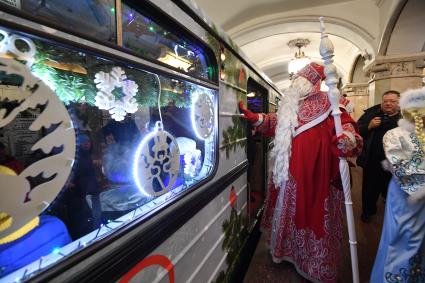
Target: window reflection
{"points": [[95, 18], [100, 194], [153, 41]]}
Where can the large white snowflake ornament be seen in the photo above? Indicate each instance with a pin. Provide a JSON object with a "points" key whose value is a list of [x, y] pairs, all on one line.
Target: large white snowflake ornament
{"points": [[202, 115], [156, 162], [106, 83]]}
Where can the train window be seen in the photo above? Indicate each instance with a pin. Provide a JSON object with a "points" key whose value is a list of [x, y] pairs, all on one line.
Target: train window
{"points": [[93, 18], [152, 40], [87, 146]]}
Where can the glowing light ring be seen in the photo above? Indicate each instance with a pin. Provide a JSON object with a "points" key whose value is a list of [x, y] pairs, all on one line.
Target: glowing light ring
{"points": [[156, 162], [202, 115], [22, 55]]}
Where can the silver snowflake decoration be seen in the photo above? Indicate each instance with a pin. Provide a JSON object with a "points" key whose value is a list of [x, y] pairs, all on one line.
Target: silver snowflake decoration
{"points": [[192, 163], [203, 115], [116, 80], [157, 162]]}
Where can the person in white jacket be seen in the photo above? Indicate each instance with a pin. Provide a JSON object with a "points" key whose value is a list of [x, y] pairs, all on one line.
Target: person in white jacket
{"points": [[401, 253]]}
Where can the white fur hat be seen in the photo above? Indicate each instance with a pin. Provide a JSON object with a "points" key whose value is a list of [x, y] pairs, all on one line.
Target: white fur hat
{"points": [[413, 98]]}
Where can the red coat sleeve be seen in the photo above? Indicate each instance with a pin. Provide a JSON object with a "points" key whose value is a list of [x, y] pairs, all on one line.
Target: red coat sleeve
{"points": [[268, 126], [349, 143]]}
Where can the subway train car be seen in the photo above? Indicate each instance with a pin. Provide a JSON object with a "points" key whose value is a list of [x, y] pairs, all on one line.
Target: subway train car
{"points": [[124, 157]]}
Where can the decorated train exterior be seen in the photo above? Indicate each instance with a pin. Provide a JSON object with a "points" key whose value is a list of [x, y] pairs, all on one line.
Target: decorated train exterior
{"points": [[123, 154]]}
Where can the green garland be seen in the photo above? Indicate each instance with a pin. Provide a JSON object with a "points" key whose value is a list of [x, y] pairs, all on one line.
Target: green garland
{"points": [[236, 132], [73, 87], [233, 136], [69, 87], [235, 238]]}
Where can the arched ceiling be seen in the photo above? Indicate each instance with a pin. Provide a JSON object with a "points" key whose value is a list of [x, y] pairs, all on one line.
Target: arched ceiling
{"points": [[411, 19], [272, 53], [262, 28]]}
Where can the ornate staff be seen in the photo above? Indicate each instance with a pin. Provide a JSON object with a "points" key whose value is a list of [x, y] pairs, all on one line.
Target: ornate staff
{"points": [[327, 52]]}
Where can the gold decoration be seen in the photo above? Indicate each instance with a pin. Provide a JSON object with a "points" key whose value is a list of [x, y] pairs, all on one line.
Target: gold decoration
{"points": [[7, 56], [6, 220], [7, 171], [75, 68], [21, 231]]}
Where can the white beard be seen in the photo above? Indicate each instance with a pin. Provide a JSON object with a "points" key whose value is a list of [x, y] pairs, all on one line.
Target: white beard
{"points": [[287, 121]]}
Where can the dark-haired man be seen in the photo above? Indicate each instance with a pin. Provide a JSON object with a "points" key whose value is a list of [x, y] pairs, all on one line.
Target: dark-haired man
{"points": [[373, 125]]}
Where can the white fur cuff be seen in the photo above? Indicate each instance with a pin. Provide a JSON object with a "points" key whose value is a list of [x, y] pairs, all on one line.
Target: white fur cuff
{"points": [[413, 98], [260, 120], [350, 136]]}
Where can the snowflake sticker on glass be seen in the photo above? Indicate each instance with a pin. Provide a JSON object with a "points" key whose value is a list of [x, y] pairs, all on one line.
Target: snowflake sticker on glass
{"points": [[202, 115], [157, 162], [116, 93]]}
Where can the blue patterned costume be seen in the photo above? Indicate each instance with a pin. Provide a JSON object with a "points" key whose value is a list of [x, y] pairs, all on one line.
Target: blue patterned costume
{"points": [[401, 253]]}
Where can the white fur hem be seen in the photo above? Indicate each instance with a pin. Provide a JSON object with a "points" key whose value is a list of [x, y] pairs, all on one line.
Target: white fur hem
{"points": [[413, 98]]}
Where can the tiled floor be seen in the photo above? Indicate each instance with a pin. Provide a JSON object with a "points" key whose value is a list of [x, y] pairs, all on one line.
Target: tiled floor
{"points": [[263, 270]]}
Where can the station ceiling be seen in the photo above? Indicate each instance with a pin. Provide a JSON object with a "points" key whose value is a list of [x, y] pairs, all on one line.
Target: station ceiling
{"points": [[262, 28]]}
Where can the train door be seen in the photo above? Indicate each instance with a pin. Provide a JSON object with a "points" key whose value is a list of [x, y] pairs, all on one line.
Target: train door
{"points": [[257, 101]]}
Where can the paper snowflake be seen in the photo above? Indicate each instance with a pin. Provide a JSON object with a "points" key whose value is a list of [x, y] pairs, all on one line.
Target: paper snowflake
{"points": [[192, 163], [105, 99]]}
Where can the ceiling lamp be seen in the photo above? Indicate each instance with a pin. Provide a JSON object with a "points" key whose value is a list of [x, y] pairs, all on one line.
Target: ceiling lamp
{"points": [[300, 59]]}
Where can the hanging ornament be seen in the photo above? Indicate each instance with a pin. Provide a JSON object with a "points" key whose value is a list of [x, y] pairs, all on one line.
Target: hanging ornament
{"points": [[8, 45], [20, 200], [157, 162], [190, 156], [116, 81], [202, 115], [192, 163]]}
